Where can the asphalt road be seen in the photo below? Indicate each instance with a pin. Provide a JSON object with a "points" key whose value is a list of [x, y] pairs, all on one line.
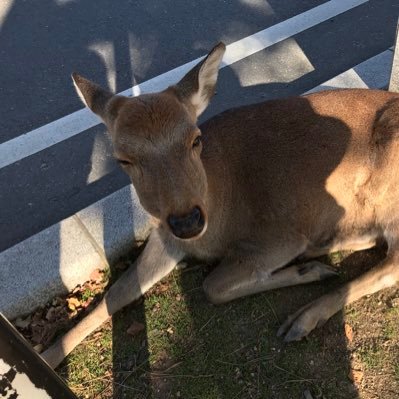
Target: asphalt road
{"points": [[119, 44]]}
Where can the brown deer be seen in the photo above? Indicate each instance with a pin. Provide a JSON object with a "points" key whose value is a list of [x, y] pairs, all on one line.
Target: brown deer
{"points": [[254, 188]]}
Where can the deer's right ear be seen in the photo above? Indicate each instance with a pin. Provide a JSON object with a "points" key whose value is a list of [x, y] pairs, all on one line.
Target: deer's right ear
{"points": [[92, 95], [198, 85]]}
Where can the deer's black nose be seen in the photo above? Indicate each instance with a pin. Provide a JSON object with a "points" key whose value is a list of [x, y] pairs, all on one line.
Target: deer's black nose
{"points": [[188, 225]]}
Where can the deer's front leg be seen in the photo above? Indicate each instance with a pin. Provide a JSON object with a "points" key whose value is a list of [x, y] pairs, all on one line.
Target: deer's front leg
{"points": [[316, 313], [246, 272], [156, 261]]}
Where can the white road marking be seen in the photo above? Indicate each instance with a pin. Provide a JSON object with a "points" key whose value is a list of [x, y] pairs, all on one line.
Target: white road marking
{"points": [[68, 126], [5, 8]]}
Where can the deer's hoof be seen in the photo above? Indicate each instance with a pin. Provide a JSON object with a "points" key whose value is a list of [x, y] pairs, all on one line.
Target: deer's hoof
{"points": [[302, 322]]}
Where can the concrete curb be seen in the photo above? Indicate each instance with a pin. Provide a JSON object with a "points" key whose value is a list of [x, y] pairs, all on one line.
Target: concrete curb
{"points": [[64, 255], [372, 73], [55, 260]]}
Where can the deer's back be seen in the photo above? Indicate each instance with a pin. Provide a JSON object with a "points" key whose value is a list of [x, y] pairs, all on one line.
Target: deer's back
{"points": [[304, 163]]}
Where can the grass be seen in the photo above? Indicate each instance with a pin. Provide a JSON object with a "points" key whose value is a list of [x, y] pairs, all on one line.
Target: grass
{"points": [[88, 367], [192, 349], [371, 357], [396, 370], [87, 294]]}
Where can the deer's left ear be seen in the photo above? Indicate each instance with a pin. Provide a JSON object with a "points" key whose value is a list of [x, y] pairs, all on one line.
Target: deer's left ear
{"points": [[198, 86]]}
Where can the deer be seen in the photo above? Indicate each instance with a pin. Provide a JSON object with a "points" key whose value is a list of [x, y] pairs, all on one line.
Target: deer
{"points": [[262, 189]]}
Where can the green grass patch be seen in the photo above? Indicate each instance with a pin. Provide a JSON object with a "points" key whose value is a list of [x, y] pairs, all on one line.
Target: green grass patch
{"points": [[371, 357], [396, 370], [192, 349]]}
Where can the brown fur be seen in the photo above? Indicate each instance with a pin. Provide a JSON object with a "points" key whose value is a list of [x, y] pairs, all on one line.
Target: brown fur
{"points": [[276, 180]]}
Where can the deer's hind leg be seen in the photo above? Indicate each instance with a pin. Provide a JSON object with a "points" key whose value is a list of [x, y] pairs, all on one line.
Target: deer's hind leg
{"points": [[249, 271], [316, 313]]}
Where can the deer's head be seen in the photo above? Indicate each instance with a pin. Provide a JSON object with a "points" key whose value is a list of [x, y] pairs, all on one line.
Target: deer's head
{"points": [[158, 144]]}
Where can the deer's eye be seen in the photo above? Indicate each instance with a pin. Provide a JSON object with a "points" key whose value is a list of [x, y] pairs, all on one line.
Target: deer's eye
{"points": [[123, 162], [197, 141]]}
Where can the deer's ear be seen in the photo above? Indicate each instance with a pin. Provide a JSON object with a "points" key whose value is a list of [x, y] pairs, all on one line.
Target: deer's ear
{"points": [[198, 86], [92, 95]]}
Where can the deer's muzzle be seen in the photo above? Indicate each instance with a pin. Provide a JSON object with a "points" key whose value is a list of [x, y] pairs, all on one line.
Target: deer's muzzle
{"points": [[187, 226]]}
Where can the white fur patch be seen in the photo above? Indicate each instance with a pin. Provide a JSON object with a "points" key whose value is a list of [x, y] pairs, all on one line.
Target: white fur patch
{"points": [[79, 93], [207, 77]]}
